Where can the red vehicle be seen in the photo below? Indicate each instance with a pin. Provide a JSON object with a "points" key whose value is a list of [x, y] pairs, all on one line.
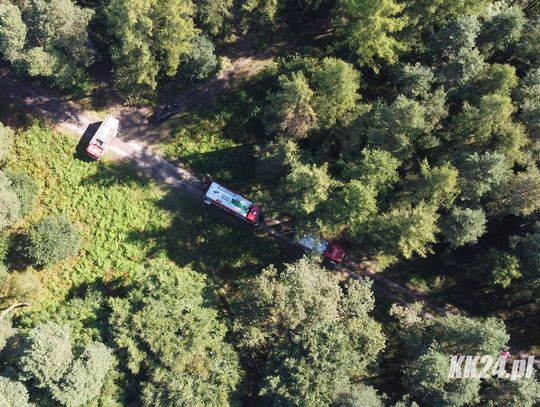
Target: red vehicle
{"points": [[329, 250], [232, 202], [103, 138]]}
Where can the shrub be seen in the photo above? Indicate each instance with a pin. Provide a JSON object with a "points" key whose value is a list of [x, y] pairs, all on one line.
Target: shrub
{"points": [[25, 188], [52, 239], [10, 206], [201, 62], [6, 135]]}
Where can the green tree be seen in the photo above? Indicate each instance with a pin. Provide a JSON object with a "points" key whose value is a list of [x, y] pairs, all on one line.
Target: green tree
{"points": [[404, 230], [425, 15], [201, 62], [13, 393], [523, 392], [463, 226], [26, 190], [47, 355], [428, 343], [336, 86], [167, 328], [10, 206], [275, 160], [437, 186], [350, 208], [480, 173], [47, 361], [376, 168], [497, 78], [527, 249], [213, 15], [57, 46], [359, 396], [52, 239], [149, 40], [528, 48], [305, 187], [6, 139], [491, 124], [12, 31], [429, 382], [369, 29], [291, 107], [529, 97], [86, 376], [518, 194], [415, 81], [461, 68], [400, 127], [505, 267], [316, 335], [501, 31], [453, 37]]}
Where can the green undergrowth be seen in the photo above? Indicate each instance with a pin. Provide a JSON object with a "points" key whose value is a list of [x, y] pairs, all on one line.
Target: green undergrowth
{"points": [[125, 219], [217, 139]]}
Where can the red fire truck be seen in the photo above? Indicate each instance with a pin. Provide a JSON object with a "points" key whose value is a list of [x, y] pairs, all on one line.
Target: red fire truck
{"points": [[103, 138], [329, 250], [232, 202]]}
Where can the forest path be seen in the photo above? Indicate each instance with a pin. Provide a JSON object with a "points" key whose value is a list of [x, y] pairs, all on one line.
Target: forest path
{"points": [[66, 116], [136, 145], [138, 136]]}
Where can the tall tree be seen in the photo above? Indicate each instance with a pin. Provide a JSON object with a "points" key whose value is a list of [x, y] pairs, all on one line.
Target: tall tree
{"points": [[316, 335], [336, 86], [305, 187], [529, 99], [369, 28], [213, 15], [480, 173], [6, 140], [437, 186], [463, 226], [501, 30], [10, 206], [13, 393], [166, 328], [12, 31], [51, 43], [518, 194], [291, 107], [404, 231], [150, 38], [47, 361], [425, 15]]}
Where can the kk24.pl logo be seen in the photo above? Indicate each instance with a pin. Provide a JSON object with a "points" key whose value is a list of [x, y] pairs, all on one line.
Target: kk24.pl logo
{"points": [[482, 367]]}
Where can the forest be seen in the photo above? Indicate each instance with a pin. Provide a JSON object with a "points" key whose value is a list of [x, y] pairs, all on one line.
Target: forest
{"points": [[408, 131]]}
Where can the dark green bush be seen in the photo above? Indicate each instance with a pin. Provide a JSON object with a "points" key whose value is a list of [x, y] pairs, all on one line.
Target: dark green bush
{"points": [[52, 239]]}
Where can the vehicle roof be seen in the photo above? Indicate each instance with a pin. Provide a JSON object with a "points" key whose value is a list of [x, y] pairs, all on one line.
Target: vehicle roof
{"points": [[107, 130], [229, 199], [313, 243]]}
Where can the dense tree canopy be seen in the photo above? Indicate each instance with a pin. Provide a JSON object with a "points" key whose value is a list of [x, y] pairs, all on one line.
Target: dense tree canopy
{"points": [[196, 368]]}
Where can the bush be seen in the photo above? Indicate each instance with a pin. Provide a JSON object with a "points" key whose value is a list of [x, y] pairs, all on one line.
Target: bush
{"points": [[202, 61], [26, 190], [10, 206], [6, 135], [52, 239], [5, 240]]}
